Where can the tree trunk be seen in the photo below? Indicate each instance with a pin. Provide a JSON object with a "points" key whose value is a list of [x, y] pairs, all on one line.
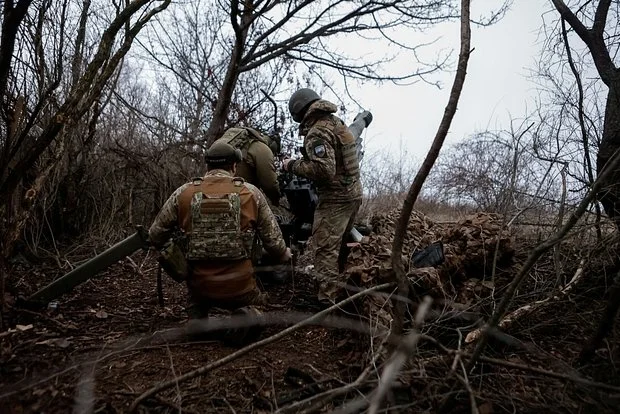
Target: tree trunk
{"points": [[224, 98], [13, 16], [610, 143]]}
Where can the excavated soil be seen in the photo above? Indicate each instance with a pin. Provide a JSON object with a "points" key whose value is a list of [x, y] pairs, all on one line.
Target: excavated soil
{"points": [[100, 346]]}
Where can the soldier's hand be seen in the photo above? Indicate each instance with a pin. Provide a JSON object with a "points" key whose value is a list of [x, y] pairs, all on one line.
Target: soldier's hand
{"points": [[287, 256], [286, 163]]}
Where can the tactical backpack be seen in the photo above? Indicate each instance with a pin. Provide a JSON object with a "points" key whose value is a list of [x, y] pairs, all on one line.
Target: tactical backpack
{"points": [[216, 227], [242, 138]]}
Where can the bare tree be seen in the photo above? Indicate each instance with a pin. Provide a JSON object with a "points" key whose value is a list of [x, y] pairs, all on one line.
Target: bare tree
{"points": [[300, 31], [42, 102], [189, 48], [597, 39], [492, 170]]}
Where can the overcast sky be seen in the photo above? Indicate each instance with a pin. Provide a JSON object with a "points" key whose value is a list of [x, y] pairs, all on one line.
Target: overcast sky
{"points": [[496, 86]]}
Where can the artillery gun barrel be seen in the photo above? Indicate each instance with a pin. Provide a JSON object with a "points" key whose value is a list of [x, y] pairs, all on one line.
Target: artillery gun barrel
{"points": [[89, 269], [357, 127]]}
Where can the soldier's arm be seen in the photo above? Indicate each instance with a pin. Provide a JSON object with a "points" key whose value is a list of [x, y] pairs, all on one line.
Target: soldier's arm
{"points": [[266, 172], [320, 164], [267, 227], [167, 219]]}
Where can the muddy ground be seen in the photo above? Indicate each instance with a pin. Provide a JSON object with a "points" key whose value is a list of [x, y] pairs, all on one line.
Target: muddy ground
{"points": [[101, 347]]}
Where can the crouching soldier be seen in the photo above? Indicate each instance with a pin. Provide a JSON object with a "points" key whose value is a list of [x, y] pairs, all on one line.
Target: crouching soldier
{"points": [[220, 216], [257, 165]]}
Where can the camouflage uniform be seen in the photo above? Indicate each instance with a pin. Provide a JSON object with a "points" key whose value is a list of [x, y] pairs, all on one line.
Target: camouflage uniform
{"points": [[257, 167], [330, 160], [222, 283]]}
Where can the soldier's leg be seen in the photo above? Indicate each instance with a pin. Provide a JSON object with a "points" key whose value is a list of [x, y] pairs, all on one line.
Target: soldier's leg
{"points": [[330, 223], [197, 309], [344, 249], [199, 306], [247, 305]]}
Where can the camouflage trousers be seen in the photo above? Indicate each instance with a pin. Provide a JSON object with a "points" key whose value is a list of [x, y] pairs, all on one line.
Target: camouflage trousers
{"points": [[332, 223]]}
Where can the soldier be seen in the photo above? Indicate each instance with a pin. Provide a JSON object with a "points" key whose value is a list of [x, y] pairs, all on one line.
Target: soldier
{"points": [[221, 215], [257, 166], [330, 160]]}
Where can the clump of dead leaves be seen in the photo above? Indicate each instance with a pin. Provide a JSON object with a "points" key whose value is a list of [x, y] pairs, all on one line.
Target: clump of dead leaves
{"points": [[472, 247]]}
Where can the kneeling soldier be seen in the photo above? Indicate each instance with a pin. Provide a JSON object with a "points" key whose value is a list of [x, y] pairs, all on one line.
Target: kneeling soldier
{"points": [[220, 215]]}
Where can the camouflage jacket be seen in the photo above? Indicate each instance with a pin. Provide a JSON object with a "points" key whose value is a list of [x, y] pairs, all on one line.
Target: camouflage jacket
{"points": [[330, 157], [263, 221], [257, 167]]}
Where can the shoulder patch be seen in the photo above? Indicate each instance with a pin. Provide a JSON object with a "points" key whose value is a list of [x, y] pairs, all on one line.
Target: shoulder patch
{"points": [[319, 150]]}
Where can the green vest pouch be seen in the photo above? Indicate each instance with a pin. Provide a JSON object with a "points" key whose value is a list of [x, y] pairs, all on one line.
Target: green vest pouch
{"points": [[172, 260]]}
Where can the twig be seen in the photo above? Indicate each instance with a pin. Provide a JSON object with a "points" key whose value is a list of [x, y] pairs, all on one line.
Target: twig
{"points": [[547, 373], [401, 355], [398, 267], [134, 265], [174, 374], [207, 368], [323, 398], [465, 381], [404, 349], [232, 409], [552, 374], [329, 395], [539, 250], [61, 325], [531, 307], [173, 405], [273, 391]]}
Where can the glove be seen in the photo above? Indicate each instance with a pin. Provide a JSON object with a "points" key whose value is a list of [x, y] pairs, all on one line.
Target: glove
{"points": [[286, 163]]}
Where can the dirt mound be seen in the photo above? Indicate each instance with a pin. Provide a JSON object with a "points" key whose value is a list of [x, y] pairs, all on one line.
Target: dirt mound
{"points": [[471, 248]]}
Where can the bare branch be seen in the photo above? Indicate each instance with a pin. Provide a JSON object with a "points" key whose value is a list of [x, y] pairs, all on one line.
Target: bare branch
{"points": [[600, 18], [427, 165], [538, 251], [574, 22]]}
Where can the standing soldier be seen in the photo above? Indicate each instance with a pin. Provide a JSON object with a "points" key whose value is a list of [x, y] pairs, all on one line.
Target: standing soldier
{"points": [[257, 165], [330, 160], [220, 215]]}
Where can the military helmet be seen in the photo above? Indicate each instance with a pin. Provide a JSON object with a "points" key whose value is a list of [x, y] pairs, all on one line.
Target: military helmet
{"points": [[222, 154], [299, 101]]}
